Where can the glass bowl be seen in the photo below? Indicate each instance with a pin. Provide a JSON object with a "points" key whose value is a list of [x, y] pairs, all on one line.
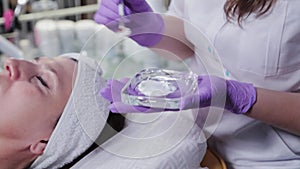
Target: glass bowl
{"points": [[159, 88]]}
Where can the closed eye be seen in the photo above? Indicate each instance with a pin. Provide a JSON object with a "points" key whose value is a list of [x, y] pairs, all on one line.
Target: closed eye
{"points": [[43, 82]]}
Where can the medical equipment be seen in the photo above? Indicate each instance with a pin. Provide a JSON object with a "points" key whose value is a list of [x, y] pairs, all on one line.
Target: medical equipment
{"points": [[47, 38], [7, 14], [19, 7], [43, 5], [9, 48], [159, 88], [17, 12], [67, 35]]}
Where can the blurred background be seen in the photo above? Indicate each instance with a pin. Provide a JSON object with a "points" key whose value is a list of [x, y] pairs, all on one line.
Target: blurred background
{"points": [[34, 28]]}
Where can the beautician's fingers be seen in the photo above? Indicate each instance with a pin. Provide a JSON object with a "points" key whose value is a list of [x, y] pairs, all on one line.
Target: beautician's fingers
{"points": [[119, 107], [108, 9], [108, 14], [116, 85], [138, 6], [106, 94], [112, 90], [199, 99], [115, 90], [124, 80], [189, 102]]}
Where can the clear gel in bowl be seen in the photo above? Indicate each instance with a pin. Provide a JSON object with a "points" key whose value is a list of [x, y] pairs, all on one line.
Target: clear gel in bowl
{"points": [[159, 88]]}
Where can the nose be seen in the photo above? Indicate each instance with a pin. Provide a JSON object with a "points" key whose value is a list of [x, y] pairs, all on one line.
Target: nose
{"points": [[19, 69]]}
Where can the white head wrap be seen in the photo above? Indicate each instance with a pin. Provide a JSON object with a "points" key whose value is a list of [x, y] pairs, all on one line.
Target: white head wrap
{"points": [[82, 120]]}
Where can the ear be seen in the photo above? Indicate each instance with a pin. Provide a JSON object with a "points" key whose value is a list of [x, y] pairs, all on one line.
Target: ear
{"points": [[38, 147]]}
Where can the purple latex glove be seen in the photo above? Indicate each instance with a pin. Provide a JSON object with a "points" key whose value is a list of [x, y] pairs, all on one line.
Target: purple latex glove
{"points": [[232, 95], [112, 93], [146, 27]]}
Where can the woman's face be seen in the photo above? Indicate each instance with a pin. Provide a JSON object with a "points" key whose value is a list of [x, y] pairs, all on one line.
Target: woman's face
{"points": [[32, 96]]}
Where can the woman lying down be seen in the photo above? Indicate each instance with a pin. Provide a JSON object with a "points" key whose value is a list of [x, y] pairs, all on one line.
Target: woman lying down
{"points": [[46, 121], [51, 111]]}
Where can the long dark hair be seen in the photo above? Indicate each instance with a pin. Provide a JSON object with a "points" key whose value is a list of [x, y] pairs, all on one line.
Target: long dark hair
{"points": [[240, 9]]}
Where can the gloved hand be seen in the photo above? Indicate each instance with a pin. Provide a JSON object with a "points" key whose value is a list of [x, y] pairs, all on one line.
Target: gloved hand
{"points": [[146, 27], [112, 93], [234, 96]]}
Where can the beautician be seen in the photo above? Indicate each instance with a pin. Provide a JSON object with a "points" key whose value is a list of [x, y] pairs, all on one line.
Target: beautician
{"points": [[258, 42]]}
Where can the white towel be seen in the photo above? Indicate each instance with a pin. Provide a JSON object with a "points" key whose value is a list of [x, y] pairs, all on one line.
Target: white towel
{"points": [[82, 120], [158, 141]]}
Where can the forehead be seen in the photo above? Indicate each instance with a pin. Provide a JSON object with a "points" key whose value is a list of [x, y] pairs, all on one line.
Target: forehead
{"points": [[57, 59], [59, 64]]}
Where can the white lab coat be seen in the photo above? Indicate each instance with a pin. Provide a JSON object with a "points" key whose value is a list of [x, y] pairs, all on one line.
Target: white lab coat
{"points": [[265, 52]]}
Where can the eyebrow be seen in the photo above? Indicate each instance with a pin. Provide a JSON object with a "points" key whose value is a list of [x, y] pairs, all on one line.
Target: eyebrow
{"points": [[37, 59]]}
